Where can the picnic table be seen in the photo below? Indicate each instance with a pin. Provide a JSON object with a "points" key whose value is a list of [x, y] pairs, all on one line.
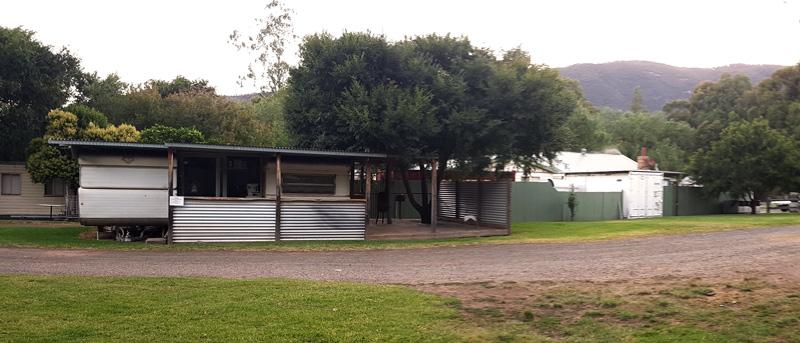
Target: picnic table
{"points": [[51, 208]]}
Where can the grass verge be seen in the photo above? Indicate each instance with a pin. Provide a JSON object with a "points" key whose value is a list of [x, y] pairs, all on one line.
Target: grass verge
{"points": [[98, 309], [141, 309], [29, 235]]}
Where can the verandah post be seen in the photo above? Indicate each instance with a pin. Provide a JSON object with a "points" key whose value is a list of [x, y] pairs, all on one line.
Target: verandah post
{"points": [[170, 182], [388, 190], [278, 193], [434, 195], [367, 191]]}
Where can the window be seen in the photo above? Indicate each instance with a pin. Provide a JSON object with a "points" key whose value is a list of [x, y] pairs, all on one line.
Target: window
{"points": [[243, 177], [54, 188], [309, 183], [10, 184], [199, 177]]}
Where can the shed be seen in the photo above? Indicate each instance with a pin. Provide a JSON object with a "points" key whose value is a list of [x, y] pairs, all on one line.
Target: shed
{"points": [[642, 190]]}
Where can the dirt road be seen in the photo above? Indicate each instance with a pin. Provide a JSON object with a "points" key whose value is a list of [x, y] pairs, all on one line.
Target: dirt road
{"points": [[773, 251]]}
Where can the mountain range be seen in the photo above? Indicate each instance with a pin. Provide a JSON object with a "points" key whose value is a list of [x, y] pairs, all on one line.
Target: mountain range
{"points": [[612, 84]]}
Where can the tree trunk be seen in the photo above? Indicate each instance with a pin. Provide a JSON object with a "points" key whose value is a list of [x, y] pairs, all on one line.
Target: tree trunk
{"points": [[423, 208]]}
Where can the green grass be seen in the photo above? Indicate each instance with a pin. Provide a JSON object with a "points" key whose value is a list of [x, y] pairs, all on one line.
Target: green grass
{"points": [[99, 309], [529, 232], [143, 309]]}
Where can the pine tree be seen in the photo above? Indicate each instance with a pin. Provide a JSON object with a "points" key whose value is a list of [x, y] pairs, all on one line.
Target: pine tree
{"points": [[636, 105]]}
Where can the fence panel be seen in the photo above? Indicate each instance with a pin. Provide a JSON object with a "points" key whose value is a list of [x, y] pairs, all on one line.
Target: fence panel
{"points": [[539, 201], [691, 201]]}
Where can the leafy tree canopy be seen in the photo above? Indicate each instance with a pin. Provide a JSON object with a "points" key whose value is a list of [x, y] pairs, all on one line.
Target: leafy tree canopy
{"points": [[87, 115], [33, 79], [426, 97], [776, 99], [748, 161]]}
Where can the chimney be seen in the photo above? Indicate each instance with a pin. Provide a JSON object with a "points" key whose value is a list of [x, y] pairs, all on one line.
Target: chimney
{"points": [[641, 160]]}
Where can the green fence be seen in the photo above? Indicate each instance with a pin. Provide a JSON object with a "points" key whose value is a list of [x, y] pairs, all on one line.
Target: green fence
{"points": [[538, 201], [690, 201]]}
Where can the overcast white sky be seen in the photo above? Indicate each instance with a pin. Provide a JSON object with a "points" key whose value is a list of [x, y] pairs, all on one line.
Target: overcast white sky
{"points": [[147, 39]]}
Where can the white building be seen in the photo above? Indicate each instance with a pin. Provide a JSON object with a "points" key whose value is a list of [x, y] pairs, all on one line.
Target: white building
{"points": [[642, 189]]}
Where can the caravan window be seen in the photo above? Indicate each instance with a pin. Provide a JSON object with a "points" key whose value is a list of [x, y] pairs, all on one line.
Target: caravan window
{"points": [[309, 183]]}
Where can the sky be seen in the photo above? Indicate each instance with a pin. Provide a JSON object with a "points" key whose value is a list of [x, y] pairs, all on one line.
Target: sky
{"points": [[148, 39]]}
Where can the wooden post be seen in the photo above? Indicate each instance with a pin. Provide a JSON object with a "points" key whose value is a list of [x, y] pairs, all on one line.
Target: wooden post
{"points": [[278, 193], [480, 201], [352, 179], [262, 164], [388, 190], [170, 182], [368, 190], [457, 185], [509, 189], [434, 196]]}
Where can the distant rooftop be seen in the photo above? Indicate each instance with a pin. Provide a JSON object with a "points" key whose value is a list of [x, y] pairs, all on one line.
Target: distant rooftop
{"points": [[592, 162]]}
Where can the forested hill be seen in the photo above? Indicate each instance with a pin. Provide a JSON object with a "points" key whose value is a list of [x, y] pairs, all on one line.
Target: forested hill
{"points": [[612, 84]]}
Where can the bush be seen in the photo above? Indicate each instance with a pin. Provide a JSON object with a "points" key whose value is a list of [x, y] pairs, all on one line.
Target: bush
{"points": [[160, 134]]}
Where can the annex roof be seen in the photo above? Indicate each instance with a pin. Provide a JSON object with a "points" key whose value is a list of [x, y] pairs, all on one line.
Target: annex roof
{"points": [[215, 148]]}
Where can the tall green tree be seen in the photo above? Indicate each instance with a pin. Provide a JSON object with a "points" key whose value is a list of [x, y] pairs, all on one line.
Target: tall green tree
{"points": [[34, 78], [776, 99], [750, 160], [711, 107], [636, 104], [669, 142], [429, 97], [270, 111]]}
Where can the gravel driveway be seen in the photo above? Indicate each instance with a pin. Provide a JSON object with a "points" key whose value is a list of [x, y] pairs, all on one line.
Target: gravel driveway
{"points": [[773, 250]]}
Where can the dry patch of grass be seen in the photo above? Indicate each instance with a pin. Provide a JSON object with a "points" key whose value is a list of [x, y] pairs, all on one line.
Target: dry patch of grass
{"points": [[657, 310]]}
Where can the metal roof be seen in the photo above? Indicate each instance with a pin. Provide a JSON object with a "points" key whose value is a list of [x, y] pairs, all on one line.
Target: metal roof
{"points": [[218, 148], [275, 150], [122, 145], [592, 162]]}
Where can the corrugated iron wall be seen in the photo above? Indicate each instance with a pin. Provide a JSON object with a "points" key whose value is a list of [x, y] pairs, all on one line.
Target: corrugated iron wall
{"points": [[488, 201], [307, 220], [224, 221]]}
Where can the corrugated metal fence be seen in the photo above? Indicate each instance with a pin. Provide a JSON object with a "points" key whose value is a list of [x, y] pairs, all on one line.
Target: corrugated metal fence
{"points": [[305, 220], [254, 220], [489, 202], [224, 221]]}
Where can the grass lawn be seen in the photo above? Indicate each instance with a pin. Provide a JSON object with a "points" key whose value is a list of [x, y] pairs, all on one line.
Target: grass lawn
{"points": [[101, 309], [25, 235], [93, 309]]}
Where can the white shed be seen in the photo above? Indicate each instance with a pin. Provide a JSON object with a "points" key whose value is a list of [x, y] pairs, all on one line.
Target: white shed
{"points": [[642, 190]]}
